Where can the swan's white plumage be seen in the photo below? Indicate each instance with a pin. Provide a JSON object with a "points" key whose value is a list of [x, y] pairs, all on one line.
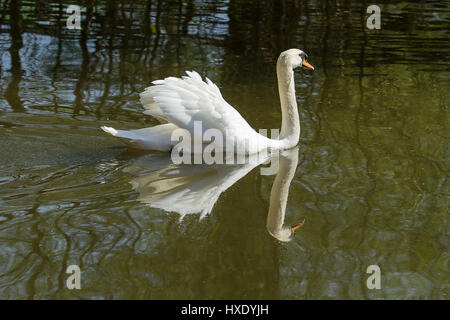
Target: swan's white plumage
{"points": [[154, 138], [179, 103], [185, 100]]}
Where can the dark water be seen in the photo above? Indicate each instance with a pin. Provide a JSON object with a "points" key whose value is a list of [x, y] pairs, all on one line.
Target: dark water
{"points": [[371, 177]]}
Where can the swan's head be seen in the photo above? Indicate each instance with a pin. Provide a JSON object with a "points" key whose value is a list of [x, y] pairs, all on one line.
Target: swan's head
{"points": [[295, 58]]}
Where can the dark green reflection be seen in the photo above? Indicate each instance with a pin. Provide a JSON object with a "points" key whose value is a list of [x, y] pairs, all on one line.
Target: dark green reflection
{"points": [[371, 179]]}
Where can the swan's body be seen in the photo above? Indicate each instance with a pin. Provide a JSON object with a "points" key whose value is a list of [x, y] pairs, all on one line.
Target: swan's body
{"points": [[180, 102]]}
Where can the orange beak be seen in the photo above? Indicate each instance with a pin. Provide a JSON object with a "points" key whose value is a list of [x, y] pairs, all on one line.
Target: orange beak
{"points": [[301, 222], [307, 65]]}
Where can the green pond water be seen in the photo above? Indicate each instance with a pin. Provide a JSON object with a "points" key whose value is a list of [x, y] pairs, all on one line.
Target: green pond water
{"points": [[370, 174]]}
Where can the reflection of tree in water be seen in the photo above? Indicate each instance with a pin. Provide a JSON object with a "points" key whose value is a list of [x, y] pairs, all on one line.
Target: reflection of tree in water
{"points": [[128, 42], [12, 91], [373, 164]]}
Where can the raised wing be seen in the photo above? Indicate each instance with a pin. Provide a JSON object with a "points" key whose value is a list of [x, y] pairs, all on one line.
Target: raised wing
{"points": [[185, 100]]}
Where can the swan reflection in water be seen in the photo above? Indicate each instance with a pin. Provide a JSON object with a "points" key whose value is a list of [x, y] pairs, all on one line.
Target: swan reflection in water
{"points": [[190, 189]]}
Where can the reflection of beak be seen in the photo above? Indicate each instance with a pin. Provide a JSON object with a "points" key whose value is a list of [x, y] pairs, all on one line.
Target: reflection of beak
{"points": [[298, 225], [307, 65]]}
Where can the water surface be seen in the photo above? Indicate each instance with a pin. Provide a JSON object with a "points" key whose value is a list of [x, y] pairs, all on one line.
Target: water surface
{"points": [[372, 172]]}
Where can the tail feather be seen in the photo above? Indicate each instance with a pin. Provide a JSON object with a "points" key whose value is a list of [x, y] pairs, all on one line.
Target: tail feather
{"points": [[109, 130], [152, 138]]}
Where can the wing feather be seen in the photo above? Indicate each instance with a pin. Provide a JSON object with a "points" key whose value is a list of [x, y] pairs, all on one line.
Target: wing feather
{"points": [[185, 100]]}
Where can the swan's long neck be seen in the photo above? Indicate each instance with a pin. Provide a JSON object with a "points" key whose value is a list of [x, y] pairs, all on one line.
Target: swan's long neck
{"points": [[290, 123]]}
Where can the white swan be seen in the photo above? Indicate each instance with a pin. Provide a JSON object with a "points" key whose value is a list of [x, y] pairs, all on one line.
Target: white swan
{"points": [[180, 102]]}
